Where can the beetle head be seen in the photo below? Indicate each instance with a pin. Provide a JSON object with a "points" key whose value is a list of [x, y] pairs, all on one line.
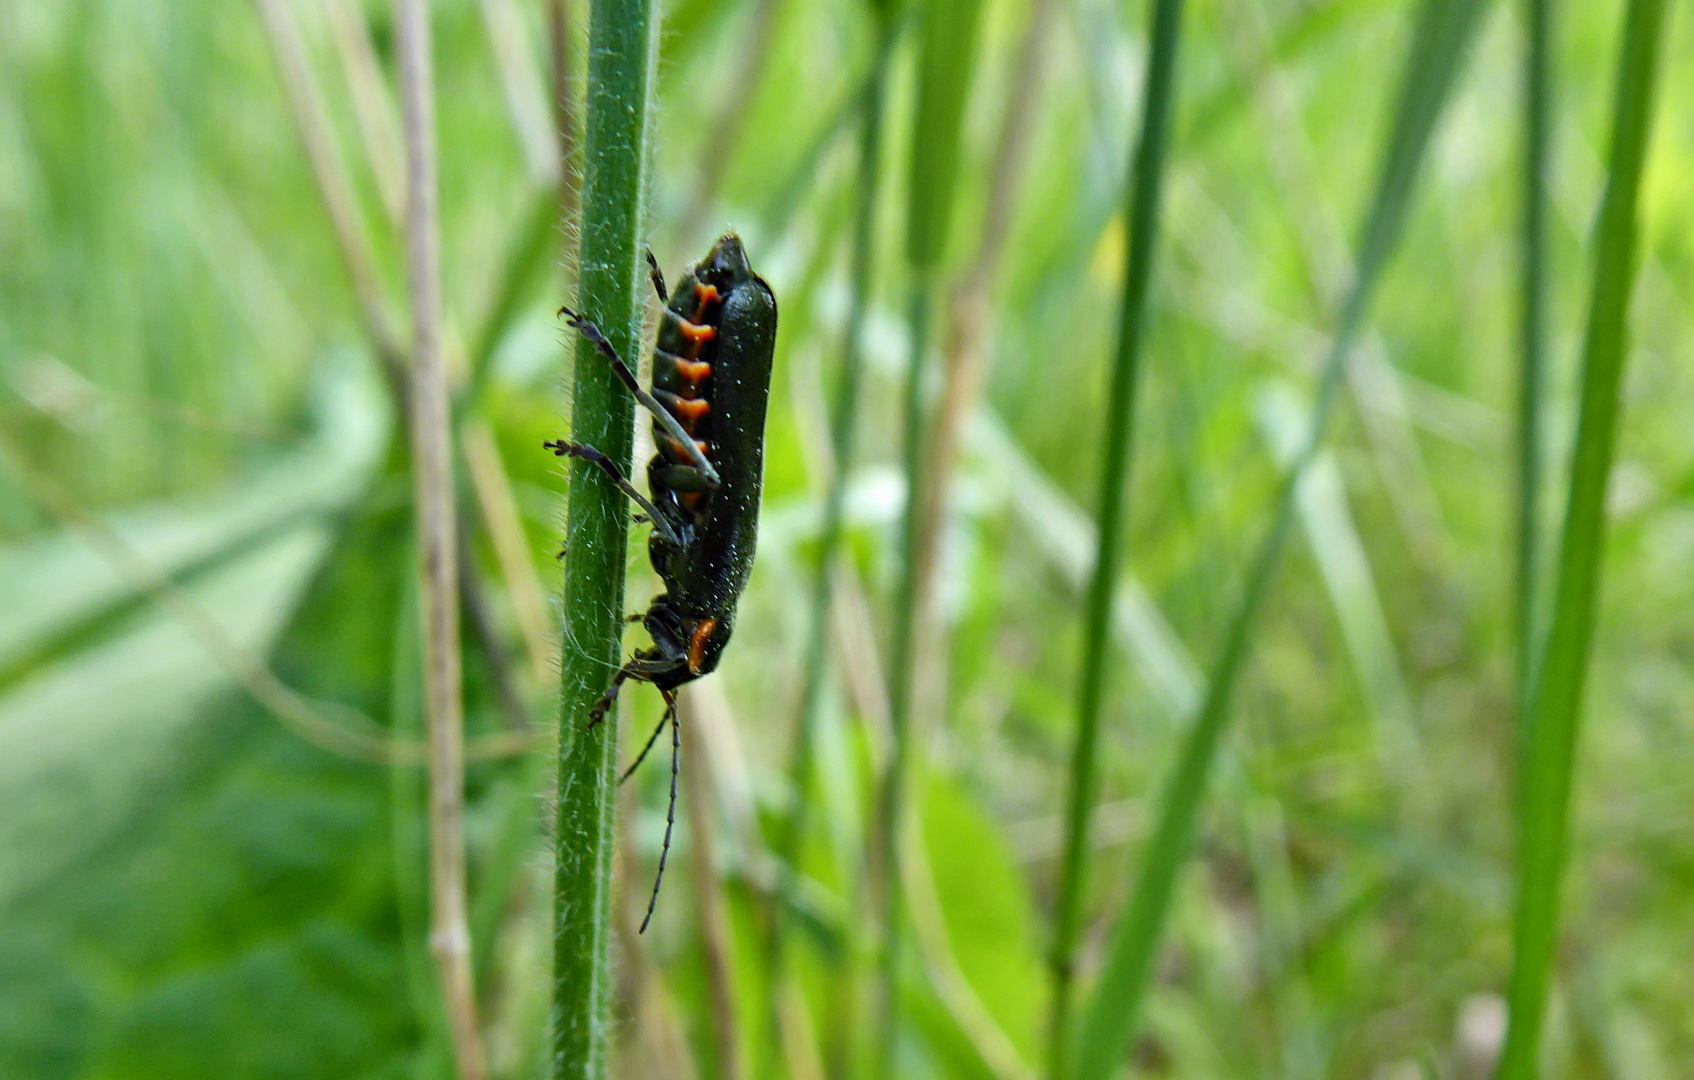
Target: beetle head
{"points": [[726, 263]]}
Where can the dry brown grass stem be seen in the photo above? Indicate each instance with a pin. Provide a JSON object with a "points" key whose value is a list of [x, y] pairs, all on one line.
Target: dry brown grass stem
{"points": [[437, 531], [499, 508], [525, 92], [334, 187], [380, 132], [373, 102]]}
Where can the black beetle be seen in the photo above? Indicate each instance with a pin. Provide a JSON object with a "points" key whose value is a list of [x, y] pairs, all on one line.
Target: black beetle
{"points": [[711, 383]]}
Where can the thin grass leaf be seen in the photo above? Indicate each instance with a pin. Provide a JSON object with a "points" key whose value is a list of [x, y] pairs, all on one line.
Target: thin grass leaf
{"points": [[622, 50], [1147, 173], [1549, 755], [843, 435], [1537, 122], [1445, 28], [945, 67]]}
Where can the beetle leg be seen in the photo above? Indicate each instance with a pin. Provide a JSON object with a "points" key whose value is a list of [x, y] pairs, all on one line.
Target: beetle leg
{"points": [[627, 377], [566, 448], [670, 813], [598, 712], [658, 277]]}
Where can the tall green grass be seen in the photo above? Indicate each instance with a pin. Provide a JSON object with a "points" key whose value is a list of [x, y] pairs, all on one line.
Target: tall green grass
{"points": [[1444, 29], [1144, 181], [947, 60], [621, 54], [844, 425], [1538, 93], [1548, 757]]}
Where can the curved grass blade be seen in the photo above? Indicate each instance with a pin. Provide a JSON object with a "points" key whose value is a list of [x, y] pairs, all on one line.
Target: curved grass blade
{"points": [[1548, 755], [1445, 28]]}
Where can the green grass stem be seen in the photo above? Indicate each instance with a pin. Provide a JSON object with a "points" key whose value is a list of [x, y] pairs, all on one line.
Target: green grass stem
{"points": [[622, 42], [1548, 756], [946, 64], [843, 434], [902, 666], [1445, 28], [1145, 180], [1537, 119]]}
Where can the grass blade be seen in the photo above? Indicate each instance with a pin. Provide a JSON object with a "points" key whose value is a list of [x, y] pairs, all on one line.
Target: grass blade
{"points": [[843, 435], [1445, 27], [1537, 123], [1145, 180], [622, 43], [1548, 755], [946, 64]]}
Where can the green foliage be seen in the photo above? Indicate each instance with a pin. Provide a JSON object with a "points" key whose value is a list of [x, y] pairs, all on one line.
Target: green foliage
{"points": [[1555, 703], [1443, 31], [190, 886]]}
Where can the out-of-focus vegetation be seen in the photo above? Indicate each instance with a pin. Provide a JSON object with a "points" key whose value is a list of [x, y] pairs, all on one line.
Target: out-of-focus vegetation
{"points": [[213, 849]]}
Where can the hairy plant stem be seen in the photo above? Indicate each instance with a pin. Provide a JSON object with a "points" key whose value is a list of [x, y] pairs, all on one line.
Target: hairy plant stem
{"points": [[622, 53]]}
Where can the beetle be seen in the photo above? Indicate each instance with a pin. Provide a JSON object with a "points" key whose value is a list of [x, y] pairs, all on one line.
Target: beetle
{"points": [[710, 386]]}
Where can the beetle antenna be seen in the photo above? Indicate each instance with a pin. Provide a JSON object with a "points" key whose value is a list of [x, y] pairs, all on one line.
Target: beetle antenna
{"points": [[670, 814], [639, 758]]}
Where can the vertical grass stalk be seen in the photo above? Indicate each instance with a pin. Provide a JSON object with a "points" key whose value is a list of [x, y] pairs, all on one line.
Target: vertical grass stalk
{"points": [[1444, 30], [843, 435], [1549, 756], [1116, 466], [1537, 119], [946, 64], [622, 47], [432, 474]]}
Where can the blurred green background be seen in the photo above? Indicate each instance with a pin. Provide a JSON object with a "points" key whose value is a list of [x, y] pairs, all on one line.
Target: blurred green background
{"points": [[211, 862]]}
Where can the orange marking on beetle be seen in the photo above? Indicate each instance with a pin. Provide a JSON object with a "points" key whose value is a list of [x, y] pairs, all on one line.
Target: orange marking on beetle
{"points": [[690, 410], [696, 333], [680, 452], [692, 499], [704, 294], [695, 371], [697, 644]]}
